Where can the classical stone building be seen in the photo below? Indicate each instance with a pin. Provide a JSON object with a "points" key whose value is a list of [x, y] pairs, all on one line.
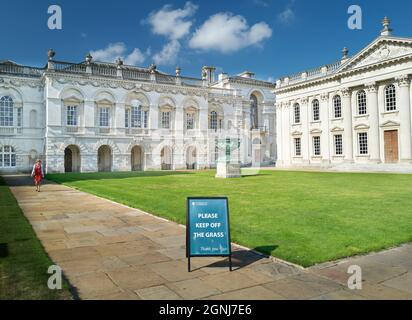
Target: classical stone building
{"points": [[95, 116], [355, 113]]}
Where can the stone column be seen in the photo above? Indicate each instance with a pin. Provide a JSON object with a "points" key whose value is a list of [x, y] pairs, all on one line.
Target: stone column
{"points": [[373, 110], [286, 134], [324, 117], [405, 116], [89, 117], [279, 134], [179, 161], [347, 120], [154, 117], [305, 131]]}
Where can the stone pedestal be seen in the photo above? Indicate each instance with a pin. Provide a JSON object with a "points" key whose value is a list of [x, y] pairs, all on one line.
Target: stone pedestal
{"points": [[227, 170]]}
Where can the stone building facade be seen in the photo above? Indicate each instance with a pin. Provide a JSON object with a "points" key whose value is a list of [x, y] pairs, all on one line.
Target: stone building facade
{"points": [[355, 113], [95, 116]]}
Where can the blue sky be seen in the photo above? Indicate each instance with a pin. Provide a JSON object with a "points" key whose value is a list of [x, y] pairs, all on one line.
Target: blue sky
{"points": [[272, 38]]}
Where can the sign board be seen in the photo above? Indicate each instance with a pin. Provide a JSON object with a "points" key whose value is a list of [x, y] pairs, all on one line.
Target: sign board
{"points": [[208, 228]]}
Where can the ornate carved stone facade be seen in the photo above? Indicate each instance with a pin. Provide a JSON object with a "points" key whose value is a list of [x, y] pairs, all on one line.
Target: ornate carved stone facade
{"points": [[110, 117]]}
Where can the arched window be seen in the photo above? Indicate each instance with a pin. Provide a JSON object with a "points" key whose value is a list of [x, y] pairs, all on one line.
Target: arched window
{"points": [[315, 110], [6, 112], [7, 157], [390, 98], [337, 107], [213, 120], [254, 113], [137, 117], [296, 110], [362, 110]]}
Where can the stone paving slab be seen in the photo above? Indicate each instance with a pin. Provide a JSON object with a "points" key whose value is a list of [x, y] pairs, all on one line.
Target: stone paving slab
{"points": [[112, 252]]}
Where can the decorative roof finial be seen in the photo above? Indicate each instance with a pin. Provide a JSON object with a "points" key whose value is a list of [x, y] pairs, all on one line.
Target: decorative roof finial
{"points": [[178, 71], [119, 62], [89, 58], [345, 53], [152, 68], [51, 53], [387, 31]]}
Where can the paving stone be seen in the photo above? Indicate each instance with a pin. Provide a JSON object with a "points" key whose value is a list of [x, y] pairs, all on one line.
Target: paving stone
{"points": [[253, 293], [340, 295], [135, 278], [174, 271], [157, 293], [95, 284], [193, 289], [303, 286], [382, 292], [229, 281], [403, 283], [144, 259]]}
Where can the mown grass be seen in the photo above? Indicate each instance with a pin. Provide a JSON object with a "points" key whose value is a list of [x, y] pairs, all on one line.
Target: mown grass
{"points": [[303, 217], [23, 261]]}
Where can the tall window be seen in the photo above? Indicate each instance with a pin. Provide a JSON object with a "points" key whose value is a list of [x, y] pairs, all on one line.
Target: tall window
{"points": [[6, 112], [316, 146], [20, 117], [165, 117], [104, 117], [363, 143], [127, 118], [190, 121], [390, 98], [7, 157], [337, 107], [213, 120], [298, 147], [254, 113], [362, 110], [72, 115], [138, 117], [296, 109], [315, 110], [338, 143]]}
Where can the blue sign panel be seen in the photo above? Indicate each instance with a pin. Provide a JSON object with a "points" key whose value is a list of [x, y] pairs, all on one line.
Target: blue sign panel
{"points": [[208, 227]]}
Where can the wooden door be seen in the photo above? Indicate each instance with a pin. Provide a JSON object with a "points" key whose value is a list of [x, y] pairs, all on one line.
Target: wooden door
{"points": [[391, 146]]}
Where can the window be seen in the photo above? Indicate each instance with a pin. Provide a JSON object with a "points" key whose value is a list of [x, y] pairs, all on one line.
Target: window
{"points": [[315, 110], [6, 112], [362, 103], [7, 157], [72, 115], [19, 117], [190, 121], [337, 107], [213, 120], [298, 147], [165, 120], [104, 117], [127, 118], [297, 113], [363, 143], [338, 143], [316, 146], [390, 98], [139, 117]]}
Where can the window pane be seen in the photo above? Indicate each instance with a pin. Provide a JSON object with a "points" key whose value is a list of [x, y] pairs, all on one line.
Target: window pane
{"points": [[298, 147], [297, 113], [72, 115], [316, 113], [338, 145], [213, 120], [6, 112], [390, 98], [337, 104], [104, 117], [316, 146], [363, 143], [166, 120], [362, 103]]}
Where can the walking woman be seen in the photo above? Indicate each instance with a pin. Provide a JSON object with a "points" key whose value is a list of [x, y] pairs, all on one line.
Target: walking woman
{"points": [[37, 174]]}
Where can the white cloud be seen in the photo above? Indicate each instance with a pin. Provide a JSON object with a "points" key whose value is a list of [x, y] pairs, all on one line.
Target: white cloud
{"points": [[173, 24], [286, 16], [227, 33], [169, 53], [119, 50]]}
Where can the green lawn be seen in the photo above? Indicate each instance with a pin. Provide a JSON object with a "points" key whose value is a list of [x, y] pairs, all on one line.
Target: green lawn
{"points": [[303, 217], [23, 262]]}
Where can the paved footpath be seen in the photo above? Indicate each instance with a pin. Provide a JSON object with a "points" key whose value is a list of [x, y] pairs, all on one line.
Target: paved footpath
{"points": [[109, 251]]}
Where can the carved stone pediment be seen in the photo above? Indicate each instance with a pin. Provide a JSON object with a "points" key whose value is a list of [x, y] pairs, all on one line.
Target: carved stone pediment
{"points": [[379, 51], [315, 131], [337, 129], [390, 124], [362, 127]]}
